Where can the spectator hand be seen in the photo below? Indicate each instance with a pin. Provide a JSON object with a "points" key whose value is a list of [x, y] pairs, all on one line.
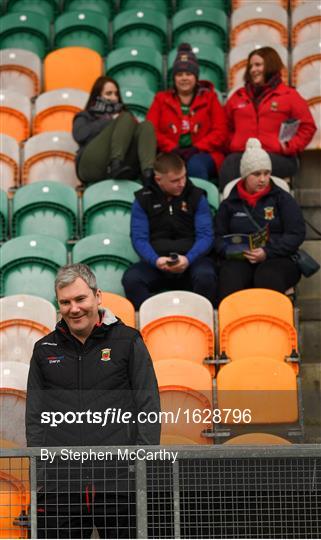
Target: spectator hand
{"points": [[161, 263], [255, 255], [180, 266]]}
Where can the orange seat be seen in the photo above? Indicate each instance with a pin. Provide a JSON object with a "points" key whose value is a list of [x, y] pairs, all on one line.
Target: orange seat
{"points": [[120, 306], [72, 67], [55, 110], [257, 438], [15, 114], [14, 501], [186, 395], [251, 21], [9, 162], [263, 386], [257, 322], [178, 324]]}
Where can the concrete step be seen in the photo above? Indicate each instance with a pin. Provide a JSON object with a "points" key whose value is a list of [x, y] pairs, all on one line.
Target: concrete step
{"points": [[309, 174], [311, 392], [310, 202], [310, 341], [309, 289]]}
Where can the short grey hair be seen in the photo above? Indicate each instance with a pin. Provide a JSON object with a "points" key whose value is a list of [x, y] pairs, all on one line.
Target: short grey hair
{"points": [[70, 272]]}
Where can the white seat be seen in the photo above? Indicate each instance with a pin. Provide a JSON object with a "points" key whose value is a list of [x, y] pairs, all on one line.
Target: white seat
{"points": [[20, 71], [15, 112], [306, 62], [249, 22], [311, 91], [306, 22], [50, 156], [278, 181], [14, 375], [63, 103], [24, 320], [238, 59], [13, 411], [173, 303], [239, 3], [9, 161]]}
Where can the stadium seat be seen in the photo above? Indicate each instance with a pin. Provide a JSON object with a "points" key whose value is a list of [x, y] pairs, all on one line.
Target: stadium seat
{"points": [[238, 60], [133, 28], [200, 26], [224, 5], [3, 215], [55, 110], [14, 502], [306, 23], [306, 62], [82, 29], [103, 7], [264, 439], [138, 100], [262, 385], [120, 306], [9, 161], [211, 191], [257, 322], [15, 114], [29, 265], [162, 6], [280, 182], [20, 71], [178, 324], [107, 206], [49, 207], [13, 408], [72, 67], [47, 8], [250, 22], [211, 61], [239, 3], [108, 255], [311, 91], [136, 67], [28, 31], [51, 156], [13, 375], [184, 388], [24, 320]]}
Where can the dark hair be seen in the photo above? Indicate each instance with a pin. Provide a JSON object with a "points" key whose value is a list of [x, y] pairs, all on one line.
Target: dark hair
{"points": [[166, 162], [97, 89], [272, 63]]}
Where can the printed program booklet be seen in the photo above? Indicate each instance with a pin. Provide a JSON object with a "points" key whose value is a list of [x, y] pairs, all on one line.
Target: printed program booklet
{"points": [[288, 129], [236, 244]]}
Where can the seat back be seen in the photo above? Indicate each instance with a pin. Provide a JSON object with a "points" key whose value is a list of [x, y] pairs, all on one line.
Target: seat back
{"points": [[264, 439], [55, 110], [184, 388], [259, 390], [25, 30], [72, 67], [132, 28], [9, 161], [82, 29], [15, 114], [211, 192], [20, 71], [13, 409], [136, 66], [249, 22], [120, 306], [200, 26], [3, 215], [14, 501], [311, 91], [306, 22], [306, 62]]}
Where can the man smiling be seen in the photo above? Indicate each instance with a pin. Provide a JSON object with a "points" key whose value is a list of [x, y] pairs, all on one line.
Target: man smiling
{"points": [[99, 364]]}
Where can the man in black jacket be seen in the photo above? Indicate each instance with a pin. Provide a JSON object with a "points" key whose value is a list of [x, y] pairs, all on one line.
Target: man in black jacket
{"points": [[91, 363]]}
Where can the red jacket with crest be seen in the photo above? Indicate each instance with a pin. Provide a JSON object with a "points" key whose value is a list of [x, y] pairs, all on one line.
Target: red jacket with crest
{"points": [[280, 104], [207, 119]]}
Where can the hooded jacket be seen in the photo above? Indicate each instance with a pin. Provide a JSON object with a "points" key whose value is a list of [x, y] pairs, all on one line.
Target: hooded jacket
{"points": [[112, 369], [277, 106], [277, 208], [207, 120]]}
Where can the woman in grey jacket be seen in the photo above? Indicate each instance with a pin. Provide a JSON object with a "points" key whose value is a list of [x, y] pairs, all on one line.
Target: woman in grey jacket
{"points": [[112, 144]]}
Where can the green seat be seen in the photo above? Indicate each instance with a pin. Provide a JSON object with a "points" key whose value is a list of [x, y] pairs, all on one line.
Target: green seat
{"points": [[140, 27], [213, 197], [107, 206], [49, 207], [108, 255], [224, 5], [27, 30], [136, 66], [3, 215], [82, 29], [29, 265], [211, 61], [103, 7], [198, 26], [47, 8], [138, 100], [161, 6]]}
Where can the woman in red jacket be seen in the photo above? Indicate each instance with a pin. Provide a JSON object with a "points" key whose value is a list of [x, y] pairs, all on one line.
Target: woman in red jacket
{"points": [[259, 109], [189, 120]]}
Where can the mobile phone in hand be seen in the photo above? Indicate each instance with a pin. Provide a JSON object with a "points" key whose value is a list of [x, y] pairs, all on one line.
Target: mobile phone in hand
{"points": [[174, 259]]}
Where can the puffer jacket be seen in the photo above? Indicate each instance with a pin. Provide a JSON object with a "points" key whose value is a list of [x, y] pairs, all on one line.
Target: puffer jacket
{"points": [[207, 121], [279, 105]]}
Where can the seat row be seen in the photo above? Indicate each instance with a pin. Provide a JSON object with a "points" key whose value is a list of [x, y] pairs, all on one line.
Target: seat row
{"points": [[254, 362]]}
